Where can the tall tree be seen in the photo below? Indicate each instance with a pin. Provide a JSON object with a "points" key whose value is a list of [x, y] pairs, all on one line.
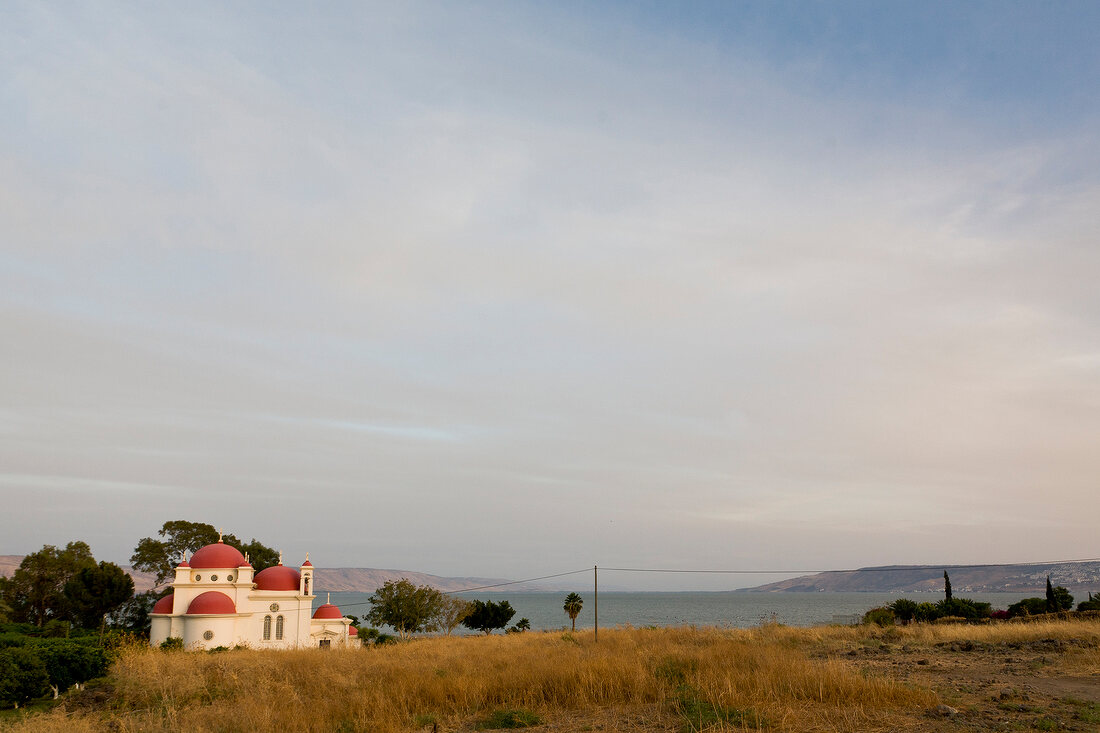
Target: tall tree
{"points": [[35, 591], [947, 586], [572, 607], [95, 591], [485, 616], [182, 538], [452, 610], [405, 607]]}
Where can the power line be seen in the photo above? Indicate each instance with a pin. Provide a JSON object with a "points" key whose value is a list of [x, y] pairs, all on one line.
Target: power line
{"points": [[788, 571], [886, 569], [495, 585]]}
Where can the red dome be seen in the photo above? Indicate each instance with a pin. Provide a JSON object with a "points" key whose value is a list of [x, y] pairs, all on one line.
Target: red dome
{"points": [[327, 610], [164, 605], [217, 555], [278, 577], [211, 602], [183, 564], [352, 631], [307, 564]]}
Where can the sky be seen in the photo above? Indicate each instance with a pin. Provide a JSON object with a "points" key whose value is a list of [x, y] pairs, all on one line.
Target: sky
{"points": [[513, 289]]}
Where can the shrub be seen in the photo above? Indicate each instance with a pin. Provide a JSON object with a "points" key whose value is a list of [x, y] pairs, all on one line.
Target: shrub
{"points": [[69, 662], [510, 719], [1092, 604], [964, 608], [23, 676], [926, 612], [1027, 607], [172, 644], [904, 609], [882, 616], [999, 615]]}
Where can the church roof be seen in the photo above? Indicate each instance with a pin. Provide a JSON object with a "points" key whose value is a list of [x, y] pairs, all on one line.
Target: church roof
{"points": [[217, 555], [211, 602], [278, 577], [164, 605], [327, 610]]}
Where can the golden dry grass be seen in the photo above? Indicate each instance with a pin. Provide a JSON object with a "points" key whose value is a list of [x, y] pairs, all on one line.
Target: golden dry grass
{"points": [[633, 679]]}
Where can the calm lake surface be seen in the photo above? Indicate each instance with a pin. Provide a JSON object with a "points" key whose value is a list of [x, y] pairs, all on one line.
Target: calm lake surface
{"points": [[730, 609]]}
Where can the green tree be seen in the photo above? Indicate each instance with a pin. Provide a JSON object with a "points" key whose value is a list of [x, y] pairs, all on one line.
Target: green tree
{"points": [[181, 538], [486, 616], [572, 607], [35, 591], [133, 615], [1027, 607], [450, 613], [23, 676], [904, 609], [1058, 598], [95, 591], [1092, 604], [405, 607], [70, 663], [946, 586]]}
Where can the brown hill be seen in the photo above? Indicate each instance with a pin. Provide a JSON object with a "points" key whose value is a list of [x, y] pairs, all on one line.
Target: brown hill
{"points": [[1077, 577], [364, 580]]}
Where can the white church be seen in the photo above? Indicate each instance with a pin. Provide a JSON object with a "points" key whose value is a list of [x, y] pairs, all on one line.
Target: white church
{"points": [[216, 601]]}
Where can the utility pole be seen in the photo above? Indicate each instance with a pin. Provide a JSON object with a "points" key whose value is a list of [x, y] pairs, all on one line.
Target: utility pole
{"points": [[596, 601]]}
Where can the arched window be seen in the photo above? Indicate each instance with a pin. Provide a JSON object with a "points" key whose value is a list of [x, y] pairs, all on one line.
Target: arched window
{"points": [[267, 628], [279, 627], [306, 586]]}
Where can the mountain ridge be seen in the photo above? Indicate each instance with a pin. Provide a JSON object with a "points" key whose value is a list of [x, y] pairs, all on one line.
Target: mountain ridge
{"points": [[360, 580], [1029, 578]]}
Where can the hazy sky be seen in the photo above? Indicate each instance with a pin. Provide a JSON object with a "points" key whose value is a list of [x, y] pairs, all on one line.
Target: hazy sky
{"points": [[508, 289]]}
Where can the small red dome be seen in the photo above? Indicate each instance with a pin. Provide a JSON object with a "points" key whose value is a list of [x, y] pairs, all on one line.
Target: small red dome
{"points": [[164, 605], [327, 610], [307, 564], [217, 555], [211, 602], [278, 577], [183, 564], [352, 631]]}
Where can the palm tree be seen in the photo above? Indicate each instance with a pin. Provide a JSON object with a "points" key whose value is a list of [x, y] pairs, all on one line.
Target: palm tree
{"points": [[572, 607]]}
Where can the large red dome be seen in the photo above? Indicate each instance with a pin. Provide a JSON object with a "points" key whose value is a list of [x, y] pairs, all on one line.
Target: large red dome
{"points": [[327, 610], [278, 577], [211, 602], [217, 555], [164, 605]]}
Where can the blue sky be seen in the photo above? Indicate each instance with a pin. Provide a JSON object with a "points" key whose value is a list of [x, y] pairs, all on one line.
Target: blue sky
{"points": [[510, 289]]}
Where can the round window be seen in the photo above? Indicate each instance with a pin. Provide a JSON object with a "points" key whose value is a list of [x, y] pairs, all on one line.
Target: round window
{"points": [[213, 577], [198, 577], [274, 606], [229, 578], [208, 635]]}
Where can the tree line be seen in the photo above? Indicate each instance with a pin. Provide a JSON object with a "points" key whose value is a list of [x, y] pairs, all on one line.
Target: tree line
{"points": [[906, 610], [411, 609]]}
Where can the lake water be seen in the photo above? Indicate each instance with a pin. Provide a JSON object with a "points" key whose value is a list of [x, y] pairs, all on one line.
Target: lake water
{"points": [[730, 609]]}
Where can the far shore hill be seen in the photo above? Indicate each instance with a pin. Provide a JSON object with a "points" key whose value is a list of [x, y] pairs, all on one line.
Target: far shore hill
{"points": [[362, 580], [1075, 577]]}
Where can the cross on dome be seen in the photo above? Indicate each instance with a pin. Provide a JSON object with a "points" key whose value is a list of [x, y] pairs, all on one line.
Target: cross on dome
{"points": [[219, 534]]}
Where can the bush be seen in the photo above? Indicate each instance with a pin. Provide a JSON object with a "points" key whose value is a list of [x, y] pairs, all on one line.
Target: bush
{"points": [[904, 609], [69, 662], [1028, 607], [926, 612], [23, 676], [172, 644], [964, 608], [882, 616], [1092, 604]]}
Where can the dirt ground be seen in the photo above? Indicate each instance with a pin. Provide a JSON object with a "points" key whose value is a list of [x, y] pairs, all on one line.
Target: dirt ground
{"points": [[1034, 685]]}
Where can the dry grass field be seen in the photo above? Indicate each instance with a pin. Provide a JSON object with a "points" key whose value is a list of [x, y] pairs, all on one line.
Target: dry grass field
{"points": [[1039, 676]]}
